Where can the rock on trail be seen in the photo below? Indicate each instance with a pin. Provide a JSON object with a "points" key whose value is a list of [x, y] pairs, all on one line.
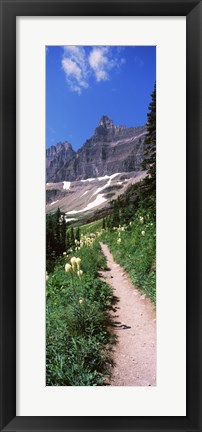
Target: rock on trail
{"points": [[135, 326]]}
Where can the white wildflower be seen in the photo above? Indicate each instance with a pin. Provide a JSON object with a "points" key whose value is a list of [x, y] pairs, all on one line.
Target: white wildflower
{"points": [[68, 268], [73, 262], [80, 273], [78, 262]]}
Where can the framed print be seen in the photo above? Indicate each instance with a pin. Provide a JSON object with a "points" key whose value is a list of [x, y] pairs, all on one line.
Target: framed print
{"points": [[100, 190]]}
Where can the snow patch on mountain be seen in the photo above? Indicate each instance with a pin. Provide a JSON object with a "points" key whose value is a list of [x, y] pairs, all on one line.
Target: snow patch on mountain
{"points": [[107, 184], [66, 185], [70, 219], [54, 202], [85, 193], [88, 180], [98, 200]]}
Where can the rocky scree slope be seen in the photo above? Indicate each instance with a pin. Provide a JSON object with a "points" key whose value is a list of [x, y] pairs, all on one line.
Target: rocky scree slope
{"points": [[87, 197]]}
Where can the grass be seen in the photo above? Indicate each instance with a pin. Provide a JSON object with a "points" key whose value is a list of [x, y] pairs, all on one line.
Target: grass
{"points": [[78, 322], [136, 251], [91, 227], [78, 333]]}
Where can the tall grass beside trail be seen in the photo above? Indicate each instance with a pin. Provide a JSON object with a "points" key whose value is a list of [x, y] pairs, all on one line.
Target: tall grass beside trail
{"points": [[91, 227], [78, 321], [134, 247]]}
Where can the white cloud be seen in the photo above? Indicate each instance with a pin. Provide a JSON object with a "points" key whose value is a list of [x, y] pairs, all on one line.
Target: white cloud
{"points": [[74, 66], [80, 65], [100, 63], [71, 68]]}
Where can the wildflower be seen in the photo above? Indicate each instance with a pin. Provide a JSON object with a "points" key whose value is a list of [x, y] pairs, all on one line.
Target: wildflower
{"points": [[80, 273], [64, 253], [78, 263], [119, 240], [80, 301], [73, 262], [130, 223], [143, 233], [92, 235], [47, 277], [68, 268], [141, 219]]}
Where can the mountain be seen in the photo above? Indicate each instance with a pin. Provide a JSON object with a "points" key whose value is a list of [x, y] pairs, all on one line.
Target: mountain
{"points": [[56, 157], [112, 149], [90, 198]]}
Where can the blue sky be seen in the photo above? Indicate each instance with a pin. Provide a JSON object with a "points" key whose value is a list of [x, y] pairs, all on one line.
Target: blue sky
{"points": [[84, 83]]}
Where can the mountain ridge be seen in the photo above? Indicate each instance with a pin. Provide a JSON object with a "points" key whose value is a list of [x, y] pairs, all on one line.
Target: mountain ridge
{"points": [[109, 150]]}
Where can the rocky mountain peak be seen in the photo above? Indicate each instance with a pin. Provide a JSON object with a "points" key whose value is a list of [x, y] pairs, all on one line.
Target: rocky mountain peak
{"points": [[60, 146], [65, 145], [106, 122], [111, 149], [105, 127], [56, 156]]}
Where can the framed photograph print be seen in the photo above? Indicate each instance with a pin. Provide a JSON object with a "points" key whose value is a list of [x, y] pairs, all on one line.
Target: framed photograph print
{"points": [[100, 215]]}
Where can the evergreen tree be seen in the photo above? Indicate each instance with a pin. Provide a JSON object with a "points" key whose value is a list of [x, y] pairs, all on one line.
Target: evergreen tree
{"points": [[68, 245], [108, 222], [122, 216], [72, 238], [149, 162], [51, 245], [77, 235], [50, 241], [63, 234], [116, 214], [58, 232]]}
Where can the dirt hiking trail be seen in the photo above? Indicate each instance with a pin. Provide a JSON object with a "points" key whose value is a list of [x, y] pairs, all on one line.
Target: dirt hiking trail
{"points": [[135, 326]]}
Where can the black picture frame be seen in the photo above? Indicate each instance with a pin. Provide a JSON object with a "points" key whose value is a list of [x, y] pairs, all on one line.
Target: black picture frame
{"points": [[9, 11]]}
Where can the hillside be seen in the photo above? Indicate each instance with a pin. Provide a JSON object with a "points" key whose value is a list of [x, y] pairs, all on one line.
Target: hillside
{"points": [[85, 197]]}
